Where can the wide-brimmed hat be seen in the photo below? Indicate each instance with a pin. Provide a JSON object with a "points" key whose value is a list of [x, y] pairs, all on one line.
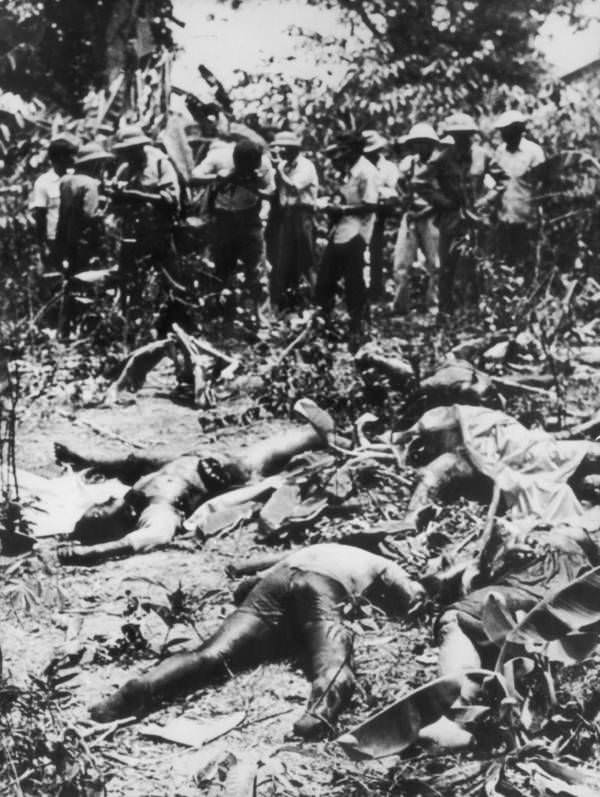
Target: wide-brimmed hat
{"points": [[131, 136], [285, 138], [93, 151], [374, 141], [422, 131], [460, 123], [510, 118]]}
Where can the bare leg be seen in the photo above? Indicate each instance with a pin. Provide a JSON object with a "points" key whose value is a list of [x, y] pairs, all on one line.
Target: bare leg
{"points": [[271, 455], [457, 652], [127, 467]]}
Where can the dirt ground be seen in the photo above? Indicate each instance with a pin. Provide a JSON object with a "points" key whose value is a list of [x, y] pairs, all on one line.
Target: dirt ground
{"points": [[390, 658]]}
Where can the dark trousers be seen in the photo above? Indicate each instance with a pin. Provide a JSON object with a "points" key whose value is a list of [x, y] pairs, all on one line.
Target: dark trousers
{"points": [[515, 244], [457, 262], [345, 260], [376, 251], [287, 612], [293, 253], [238, 238]]}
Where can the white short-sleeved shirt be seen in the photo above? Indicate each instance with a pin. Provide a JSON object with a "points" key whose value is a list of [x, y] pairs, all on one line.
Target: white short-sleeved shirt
{"points": [[361, 186], [303, 175], [46, 195], [517, 206]]}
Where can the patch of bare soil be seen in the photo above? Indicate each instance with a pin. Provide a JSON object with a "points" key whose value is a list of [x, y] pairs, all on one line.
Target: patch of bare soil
{"points": [[97, 602]]}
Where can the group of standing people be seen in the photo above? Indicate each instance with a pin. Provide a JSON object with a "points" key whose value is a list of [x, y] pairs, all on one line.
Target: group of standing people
{"points": [[263, 201], [435, 195], [68, 200]]}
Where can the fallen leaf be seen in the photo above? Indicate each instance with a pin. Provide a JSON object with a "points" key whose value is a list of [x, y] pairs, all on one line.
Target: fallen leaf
{"points": [[193, 733]]}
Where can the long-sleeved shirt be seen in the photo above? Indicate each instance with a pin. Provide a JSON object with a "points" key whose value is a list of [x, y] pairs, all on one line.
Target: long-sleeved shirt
{"points": [[302, 173], [457, 179], [158, 176]]}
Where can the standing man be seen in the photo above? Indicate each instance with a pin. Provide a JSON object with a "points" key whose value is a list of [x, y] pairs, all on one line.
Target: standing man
{"points": [[456, 192], [148, 196], [388, 174], [45, 197], [418, 228], [238, 230], [294, 228], [516, 156], [352, 216], [78, 233]]}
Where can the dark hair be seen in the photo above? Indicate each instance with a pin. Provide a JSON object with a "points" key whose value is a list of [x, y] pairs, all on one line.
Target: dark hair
{"points": [[351, 142], [246, 156]]}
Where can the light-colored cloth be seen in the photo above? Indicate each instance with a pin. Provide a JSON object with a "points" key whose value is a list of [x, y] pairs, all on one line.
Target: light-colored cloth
{"points": [[414, 235], [355, 569], [46, 196], [388, 174], [302, 173], [361, 186], [517, 207], [52, 506], [157, 176], [530, 467], [219, 163]]}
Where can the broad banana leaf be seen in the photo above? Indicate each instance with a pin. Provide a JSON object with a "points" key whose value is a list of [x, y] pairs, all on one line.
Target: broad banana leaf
{"points": [[397, 727], [572, 610]]}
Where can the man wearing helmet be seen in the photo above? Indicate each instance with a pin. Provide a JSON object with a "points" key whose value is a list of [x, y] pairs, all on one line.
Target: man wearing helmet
{"points": [[418, 229], [458, 183]]}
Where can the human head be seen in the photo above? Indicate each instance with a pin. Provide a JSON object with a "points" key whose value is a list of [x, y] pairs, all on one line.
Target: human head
{"points": [[246, 157], [92, 159], [130, 144], [61, 152], [421, 140], [347, 150], [373, 145], [110, 519], [511, 125], [287, 144], [462, 128]]}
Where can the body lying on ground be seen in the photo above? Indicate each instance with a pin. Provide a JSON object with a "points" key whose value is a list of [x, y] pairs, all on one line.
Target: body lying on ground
{"points": [[519, 567], [166, 491], [295, 608], [465, 450]]}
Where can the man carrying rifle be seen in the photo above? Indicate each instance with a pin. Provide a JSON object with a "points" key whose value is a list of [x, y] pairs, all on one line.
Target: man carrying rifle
{"points": [[352, 214], [147, 193]]}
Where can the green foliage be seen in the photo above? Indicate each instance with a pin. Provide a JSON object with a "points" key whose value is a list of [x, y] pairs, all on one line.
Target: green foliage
{"points": [[411, 61], [58, 49]]}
